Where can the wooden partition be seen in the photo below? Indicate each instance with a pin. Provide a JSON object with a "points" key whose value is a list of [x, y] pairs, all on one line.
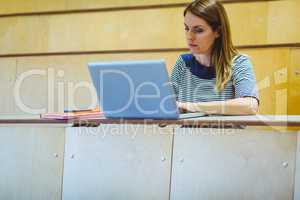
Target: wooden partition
{"points": [[31, 162], [232, 164], [149, 159], [132, 162]]}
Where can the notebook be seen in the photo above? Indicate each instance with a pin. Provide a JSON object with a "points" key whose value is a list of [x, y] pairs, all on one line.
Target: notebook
{"points": [[74, 114]]}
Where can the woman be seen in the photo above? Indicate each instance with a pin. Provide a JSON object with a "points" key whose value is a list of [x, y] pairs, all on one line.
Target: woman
{"points": [[214, 78]]}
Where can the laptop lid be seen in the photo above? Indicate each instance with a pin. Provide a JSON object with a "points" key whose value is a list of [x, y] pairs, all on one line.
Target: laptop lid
{"points": [[134, 89]]}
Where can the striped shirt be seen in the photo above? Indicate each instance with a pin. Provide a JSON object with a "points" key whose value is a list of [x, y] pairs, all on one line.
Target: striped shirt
{"points": [[193, 82]]}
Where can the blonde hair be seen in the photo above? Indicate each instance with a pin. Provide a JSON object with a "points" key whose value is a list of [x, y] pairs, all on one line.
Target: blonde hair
{"points": [[223, 50]]}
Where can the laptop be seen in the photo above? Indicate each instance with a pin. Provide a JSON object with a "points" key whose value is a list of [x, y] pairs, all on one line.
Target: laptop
{"points": [[135, 90]]}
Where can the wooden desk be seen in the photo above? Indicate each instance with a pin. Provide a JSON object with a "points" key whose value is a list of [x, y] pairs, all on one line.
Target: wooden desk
{"points": [[251, 120], [150, 159]]}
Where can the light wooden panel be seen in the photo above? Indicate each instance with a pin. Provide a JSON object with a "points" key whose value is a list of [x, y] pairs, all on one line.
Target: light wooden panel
{"points": [[117, 30], [137, 29], [268, 22], [7, 77], [233, 164], [69, 82], [294, 83], [283, 21], [17, 6], [117, 162], [248, 22], [31, 163], [82, 4], [93, 31], [23, 34], [271, 70]]}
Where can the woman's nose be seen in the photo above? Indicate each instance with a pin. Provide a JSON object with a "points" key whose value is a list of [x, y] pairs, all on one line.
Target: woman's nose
{"points": [[189, 35]]}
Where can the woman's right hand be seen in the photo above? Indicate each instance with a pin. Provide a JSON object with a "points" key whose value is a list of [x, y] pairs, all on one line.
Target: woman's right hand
{"points": [[185, 107]]}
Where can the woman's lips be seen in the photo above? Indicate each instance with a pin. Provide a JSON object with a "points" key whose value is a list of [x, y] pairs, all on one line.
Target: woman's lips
{"points": [[192, 45]]}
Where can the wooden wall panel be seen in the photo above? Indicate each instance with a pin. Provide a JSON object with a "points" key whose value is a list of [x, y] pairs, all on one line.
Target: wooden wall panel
{"points": [[294, 83], [248, 22], [29, 6], [83, 4], [23, 34], [268, 22], [114, 31], [7, 77], [271, 67], [92, 31], [120, 30], [17, 6], [140, 29], [284, 21]]}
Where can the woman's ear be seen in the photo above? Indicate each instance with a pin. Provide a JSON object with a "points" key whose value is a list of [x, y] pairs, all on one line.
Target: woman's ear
{"points": [[217, 32]]}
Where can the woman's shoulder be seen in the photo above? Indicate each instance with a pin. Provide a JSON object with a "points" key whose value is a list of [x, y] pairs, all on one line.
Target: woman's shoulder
{"points": [[242, 66], [241, 62], [240, 58]]}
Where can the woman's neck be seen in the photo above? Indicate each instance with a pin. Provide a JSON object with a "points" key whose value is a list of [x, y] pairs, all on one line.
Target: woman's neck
{"points": [[203, 59]]}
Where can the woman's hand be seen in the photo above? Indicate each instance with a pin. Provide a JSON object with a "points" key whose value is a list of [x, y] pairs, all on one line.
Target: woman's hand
{"points": [[188, 107], [238, 106]]}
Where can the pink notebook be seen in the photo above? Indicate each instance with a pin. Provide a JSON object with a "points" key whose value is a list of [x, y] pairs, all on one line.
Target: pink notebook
{"points": [[80, 114]]}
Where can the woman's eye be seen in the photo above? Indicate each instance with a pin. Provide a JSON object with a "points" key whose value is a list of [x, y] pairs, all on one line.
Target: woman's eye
{"points": [[198, 30], [186, 28]]}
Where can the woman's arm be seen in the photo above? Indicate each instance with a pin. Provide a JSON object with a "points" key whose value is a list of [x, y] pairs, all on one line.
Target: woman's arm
{"points": [[238, 106]]}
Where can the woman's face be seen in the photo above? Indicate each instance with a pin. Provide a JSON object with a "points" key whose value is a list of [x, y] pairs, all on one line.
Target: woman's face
{"points": [[200, 36]]}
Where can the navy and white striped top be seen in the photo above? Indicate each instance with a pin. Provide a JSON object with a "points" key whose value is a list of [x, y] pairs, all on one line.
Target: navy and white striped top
{"points": [[194, 82]]}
